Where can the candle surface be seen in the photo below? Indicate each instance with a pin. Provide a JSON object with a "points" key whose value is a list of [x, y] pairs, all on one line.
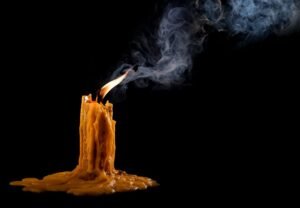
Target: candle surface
{"points": [[95, 173]]}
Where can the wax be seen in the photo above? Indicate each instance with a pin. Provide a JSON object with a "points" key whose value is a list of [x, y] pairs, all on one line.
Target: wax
{"points": [[95, 173]]}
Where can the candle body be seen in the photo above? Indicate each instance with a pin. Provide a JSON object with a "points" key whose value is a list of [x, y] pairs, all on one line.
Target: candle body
{"points": [[97, 139], [95, 173]]}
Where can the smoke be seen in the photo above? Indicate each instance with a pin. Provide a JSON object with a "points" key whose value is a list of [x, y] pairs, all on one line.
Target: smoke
{"points": [[260, 18], [166, 60], [167, 63]]}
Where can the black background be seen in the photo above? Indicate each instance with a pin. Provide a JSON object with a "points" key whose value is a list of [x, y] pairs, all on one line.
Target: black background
{"points": [[215, 140]]}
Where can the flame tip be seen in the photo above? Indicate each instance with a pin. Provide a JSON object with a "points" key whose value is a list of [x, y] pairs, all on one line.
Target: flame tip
{"points": [[110, 85]]}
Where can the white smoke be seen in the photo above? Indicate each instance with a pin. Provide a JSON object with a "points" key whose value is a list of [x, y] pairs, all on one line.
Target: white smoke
{"points": [[259, 18], [167, 60]]}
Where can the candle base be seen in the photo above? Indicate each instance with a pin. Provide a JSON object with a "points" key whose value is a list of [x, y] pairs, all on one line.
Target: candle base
{"points": [[72, 183]]}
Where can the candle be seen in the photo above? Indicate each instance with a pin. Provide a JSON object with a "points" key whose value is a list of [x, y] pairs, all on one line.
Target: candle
{"points": [[95, 173]]}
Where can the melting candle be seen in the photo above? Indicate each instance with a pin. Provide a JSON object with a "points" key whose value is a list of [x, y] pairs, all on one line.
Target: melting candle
{"points": [[95, 173]]}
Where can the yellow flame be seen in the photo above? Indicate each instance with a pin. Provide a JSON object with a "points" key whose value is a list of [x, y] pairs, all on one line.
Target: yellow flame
{"points": [[107, 87]]}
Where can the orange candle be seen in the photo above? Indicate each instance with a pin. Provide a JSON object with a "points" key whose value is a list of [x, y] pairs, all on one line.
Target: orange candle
{"points": [[95, 173]]}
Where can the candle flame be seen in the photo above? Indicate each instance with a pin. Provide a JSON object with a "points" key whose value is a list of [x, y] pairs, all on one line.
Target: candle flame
{"points": [[108, 86]]}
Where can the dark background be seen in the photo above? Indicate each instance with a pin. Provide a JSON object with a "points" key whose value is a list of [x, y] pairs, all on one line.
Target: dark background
{"points": [[217, 140]]}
